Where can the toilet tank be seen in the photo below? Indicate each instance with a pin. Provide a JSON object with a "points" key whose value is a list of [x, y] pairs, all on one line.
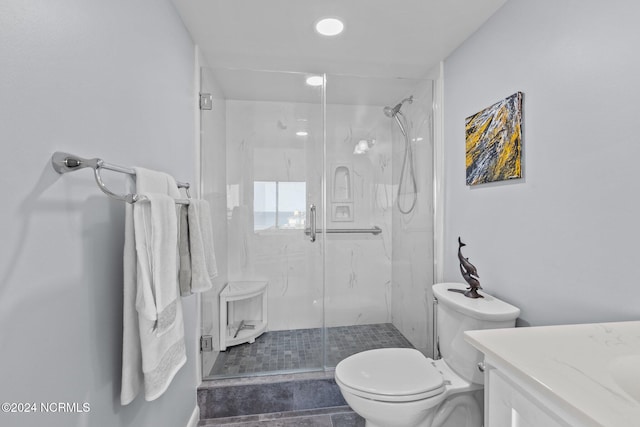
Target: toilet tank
{"points": [[456, 314]]}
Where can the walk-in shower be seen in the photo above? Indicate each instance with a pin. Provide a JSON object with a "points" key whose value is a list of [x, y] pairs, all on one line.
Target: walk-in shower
{"points": [[407, 171], [271, 148]]}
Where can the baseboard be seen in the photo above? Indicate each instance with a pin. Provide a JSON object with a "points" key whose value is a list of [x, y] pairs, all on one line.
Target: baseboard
{"points": [[195, 417]]}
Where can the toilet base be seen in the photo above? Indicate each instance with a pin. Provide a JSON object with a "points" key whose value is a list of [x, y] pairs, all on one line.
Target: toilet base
{"points": [[457, 410], [385, 414]]}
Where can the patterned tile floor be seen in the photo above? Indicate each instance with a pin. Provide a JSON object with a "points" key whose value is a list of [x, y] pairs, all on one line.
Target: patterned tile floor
{"points": [[301, 349]]}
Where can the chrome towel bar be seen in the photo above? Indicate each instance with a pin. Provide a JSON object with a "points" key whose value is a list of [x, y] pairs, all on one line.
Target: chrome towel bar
{"points": [[373, 230], [65, 162]]}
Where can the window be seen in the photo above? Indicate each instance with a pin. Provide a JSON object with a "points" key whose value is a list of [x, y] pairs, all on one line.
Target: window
{"points": [[279, 205]]}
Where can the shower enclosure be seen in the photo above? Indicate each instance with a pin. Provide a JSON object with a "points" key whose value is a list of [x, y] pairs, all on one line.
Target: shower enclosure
{"points": [[325, 192]]}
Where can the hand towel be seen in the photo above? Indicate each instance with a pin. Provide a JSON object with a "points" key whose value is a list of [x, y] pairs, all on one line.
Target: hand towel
{"points": [[156, 236], [132, 378], [184, 273], [203, 261], [149, 359]]}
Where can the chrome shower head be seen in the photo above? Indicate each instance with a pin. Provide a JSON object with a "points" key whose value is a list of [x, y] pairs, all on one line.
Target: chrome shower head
{"points": [[391, 112]]}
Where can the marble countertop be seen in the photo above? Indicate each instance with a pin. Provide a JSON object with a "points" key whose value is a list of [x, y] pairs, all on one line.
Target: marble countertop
{"points": [[592, 370]]}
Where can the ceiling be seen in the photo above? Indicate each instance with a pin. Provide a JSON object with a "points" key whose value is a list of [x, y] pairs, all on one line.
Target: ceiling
{"points": [[382, 38]]}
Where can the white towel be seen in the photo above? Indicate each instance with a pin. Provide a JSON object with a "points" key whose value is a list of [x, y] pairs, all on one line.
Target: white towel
{"points": [[156, 235], [152, 352], [203, 261], [184, 273], [132, 378]]}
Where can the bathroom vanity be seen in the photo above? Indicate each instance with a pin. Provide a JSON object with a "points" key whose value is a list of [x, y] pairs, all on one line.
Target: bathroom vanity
{"points": [[561, 376]]}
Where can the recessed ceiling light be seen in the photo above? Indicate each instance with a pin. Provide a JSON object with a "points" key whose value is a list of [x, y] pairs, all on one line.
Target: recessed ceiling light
{"points": [[329, 26], [315, 80], [302, 133]]}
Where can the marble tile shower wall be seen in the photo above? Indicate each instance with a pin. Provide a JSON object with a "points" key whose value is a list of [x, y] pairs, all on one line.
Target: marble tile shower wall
{"points": [[262, 146], [358, 276], [412, 257]]}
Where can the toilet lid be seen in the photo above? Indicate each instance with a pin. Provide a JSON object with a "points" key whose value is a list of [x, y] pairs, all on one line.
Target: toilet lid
{"points": [[391, 374]]}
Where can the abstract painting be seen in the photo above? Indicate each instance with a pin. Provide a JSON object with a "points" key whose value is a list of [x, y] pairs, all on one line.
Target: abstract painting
{"points": [[494, 142]]}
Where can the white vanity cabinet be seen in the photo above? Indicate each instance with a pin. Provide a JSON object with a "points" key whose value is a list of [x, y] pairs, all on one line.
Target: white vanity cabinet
{"points": [[584, 375], [509, 404]]}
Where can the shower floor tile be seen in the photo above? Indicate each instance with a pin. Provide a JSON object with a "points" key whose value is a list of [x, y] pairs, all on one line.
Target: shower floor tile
{"points": [[301, 349]]}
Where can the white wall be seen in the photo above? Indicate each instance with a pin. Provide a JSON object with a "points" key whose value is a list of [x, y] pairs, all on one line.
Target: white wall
{"points": [[110, 79], [562, 243]]}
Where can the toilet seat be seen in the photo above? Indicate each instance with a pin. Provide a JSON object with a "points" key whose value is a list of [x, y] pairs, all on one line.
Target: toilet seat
{"points": [[390, 375]]}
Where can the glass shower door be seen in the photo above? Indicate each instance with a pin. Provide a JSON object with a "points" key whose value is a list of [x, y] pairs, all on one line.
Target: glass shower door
{"points": [[262, 169]]}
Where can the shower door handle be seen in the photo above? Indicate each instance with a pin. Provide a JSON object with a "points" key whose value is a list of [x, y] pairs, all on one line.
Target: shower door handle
{"points": [[312, 222]]}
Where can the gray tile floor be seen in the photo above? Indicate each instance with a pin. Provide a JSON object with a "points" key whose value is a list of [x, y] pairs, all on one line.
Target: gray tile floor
{"points": [[301, 349]]}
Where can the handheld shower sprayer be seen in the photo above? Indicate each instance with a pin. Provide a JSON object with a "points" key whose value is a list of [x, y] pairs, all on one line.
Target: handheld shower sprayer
{"points": [[407, 162], [392, 111]]}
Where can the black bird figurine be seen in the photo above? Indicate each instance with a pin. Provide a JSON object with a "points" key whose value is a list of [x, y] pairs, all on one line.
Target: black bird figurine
{"points": [[470, 274]]}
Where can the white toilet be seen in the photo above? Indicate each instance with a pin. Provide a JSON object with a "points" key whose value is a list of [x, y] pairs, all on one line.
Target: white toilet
{"points": [[400, 387]]}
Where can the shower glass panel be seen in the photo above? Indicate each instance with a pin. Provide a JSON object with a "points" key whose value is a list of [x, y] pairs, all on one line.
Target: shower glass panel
{"points": [[271, 148], [213, 189], [377, 286], [262, 167]]}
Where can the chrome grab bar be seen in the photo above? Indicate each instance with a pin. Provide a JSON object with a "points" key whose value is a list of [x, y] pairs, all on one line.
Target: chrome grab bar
{"points": [[374, 230], [312, 223]]}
